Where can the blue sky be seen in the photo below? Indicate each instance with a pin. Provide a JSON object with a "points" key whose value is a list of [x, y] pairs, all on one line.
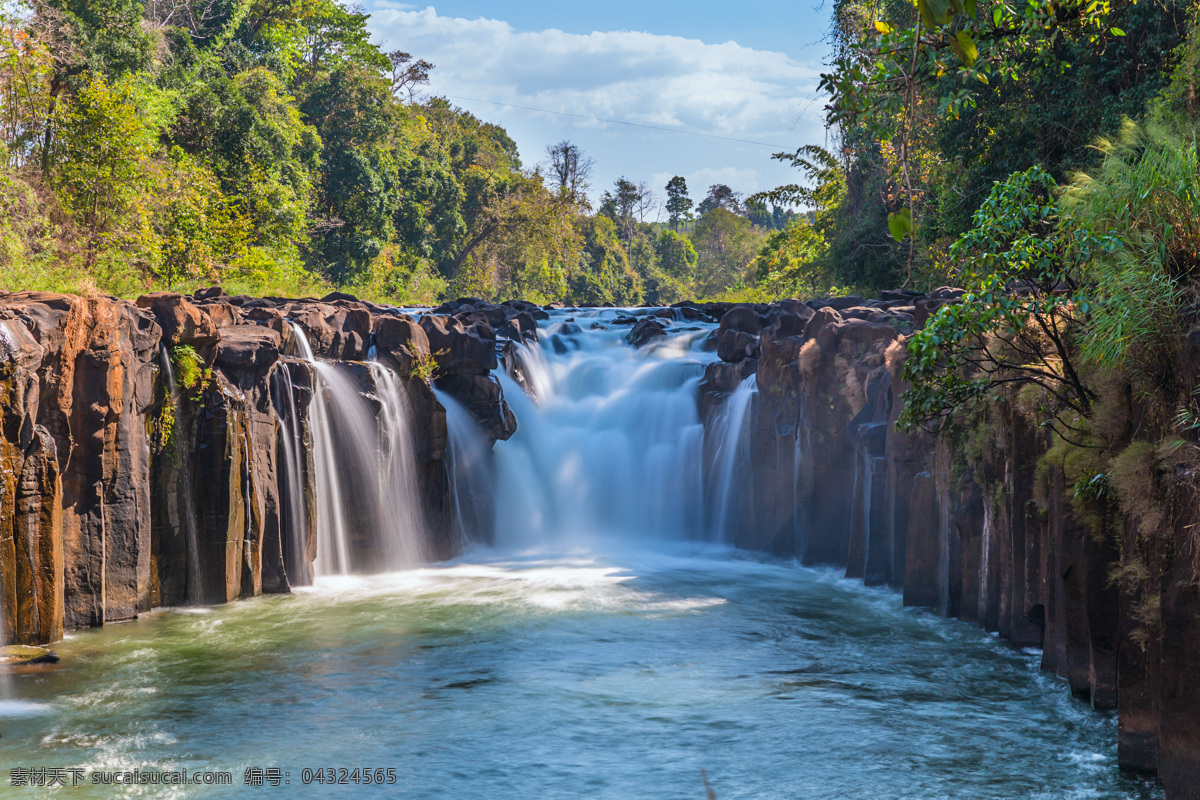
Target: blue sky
{"points": [[745, 70]]}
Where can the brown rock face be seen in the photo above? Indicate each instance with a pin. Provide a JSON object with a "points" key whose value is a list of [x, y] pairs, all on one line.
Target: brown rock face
{"points": [[119, 492], [96, 384], [31, 564], [181, 321], [994, 537]]}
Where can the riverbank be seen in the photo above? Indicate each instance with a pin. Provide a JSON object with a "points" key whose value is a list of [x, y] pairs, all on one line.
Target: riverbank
{"points": [[197, 450]]}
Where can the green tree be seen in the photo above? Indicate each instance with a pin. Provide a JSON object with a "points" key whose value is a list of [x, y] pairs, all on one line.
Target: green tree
{"points": [[725, 245], [104, 162], [603, 274], [720, 196], [790, 261], [679, 204], [250, 131], [1019, 319], [671, 281], [357, 194]]}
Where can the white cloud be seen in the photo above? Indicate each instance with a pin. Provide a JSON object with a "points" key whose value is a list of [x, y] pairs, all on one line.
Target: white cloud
{"points": [[721, 89]]}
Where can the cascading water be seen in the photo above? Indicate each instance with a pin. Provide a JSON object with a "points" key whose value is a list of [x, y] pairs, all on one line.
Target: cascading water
{"points": [[186, 496], [612, 446], [729, 455], [368, 508], [333, 546], [471, 485], [294, 446], [400, 510]]}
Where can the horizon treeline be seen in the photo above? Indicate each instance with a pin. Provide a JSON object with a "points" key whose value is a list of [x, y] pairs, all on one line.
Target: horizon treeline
{"points": [[271, 147]]}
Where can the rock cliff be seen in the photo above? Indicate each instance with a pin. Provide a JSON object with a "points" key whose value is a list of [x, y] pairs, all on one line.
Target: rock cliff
{"points": [[991, 532], [157, 452]]}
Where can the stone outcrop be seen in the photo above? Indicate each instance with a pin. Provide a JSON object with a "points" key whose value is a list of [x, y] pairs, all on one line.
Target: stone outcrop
{"points": [[144, 445], [991, 536]]}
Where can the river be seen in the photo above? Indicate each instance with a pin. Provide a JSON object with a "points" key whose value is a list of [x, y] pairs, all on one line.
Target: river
{"points": [[608, 646]]}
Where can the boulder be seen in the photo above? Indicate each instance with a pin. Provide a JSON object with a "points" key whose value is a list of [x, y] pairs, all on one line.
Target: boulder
{"points": [[646, 331], [182, 322], [458, 348]]}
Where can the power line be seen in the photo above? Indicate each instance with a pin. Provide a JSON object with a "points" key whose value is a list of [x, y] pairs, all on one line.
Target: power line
{"points": [[622, 122]]}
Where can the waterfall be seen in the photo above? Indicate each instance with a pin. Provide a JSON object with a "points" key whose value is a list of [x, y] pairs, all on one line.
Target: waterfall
{"points": [[333, 545], [368, 503], [400, 503], [471, 484], [187, 494], [295, 512], [610, 444], [729, 455]]}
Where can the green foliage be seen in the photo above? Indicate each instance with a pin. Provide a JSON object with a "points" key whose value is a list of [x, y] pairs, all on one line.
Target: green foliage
{"points": [[424, 367], [603, 274], [188, 367], [789, 263], [1145, 197], [675, 263], [1021, 266], [725, 245], [270, 147], [955, 49], [919, 131], [679, 204], [108, 139]]}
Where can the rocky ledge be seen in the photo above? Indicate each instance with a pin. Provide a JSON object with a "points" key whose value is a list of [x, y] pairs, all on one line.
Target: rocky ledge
{"points": [[131, 429], [988, 535]]}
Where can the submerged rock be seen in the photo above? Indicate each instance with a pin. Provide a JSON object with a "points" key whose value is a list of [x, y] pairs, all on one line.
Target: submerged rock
{"points": [[20, 654]]}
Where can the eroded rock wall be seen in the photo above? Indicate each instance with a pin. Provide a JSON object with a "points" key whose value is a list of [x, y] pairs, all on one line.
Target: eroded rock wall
{"points": [[991, 535], [159, 452]]}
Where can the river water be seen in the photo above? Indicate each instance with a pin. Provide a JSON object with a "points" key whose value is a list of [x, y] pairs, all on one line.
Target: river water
{"points": [[607, 647]]}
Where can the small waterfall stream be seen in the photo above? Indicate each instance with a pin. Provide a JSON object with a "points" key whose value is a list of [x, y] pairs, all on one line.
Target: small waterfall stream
{"points": [[472, 489], [369, 514], [400, 509], [294, 446], [729, 455], [333, 546]]}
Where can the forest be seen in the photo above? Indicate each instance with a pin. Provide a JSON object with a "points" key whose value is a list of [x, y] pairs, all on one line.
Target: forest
{"points": [[271, 147]]}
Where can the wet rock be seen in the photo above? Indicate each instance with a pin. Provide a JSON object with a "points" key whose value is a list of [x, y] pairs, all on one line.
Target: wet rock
{"points": [[735, 345], [461, 349], [402, 338], [645, 331], [15, 655], [248, 347], [182, 322]]}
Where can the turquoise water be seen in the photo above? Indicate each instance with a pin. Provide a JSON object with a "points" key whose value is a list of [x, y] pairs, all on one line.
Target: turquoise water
{"points": [[572, 676]]}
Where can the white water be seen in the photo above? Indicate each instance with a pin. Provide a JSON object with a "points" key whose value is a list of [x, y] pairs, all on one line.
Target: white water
{"points": [[293, 448], [400, 504], [612, 446], [472, 488], [364, 469], [730, 454]]}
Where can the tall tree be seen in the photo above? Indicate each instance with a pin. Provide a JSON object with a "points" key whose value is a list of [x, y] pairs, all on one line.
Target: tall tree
{"points": [[679, 204], [569, 169], [721, 196], [408, 75], [725, 245]]}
